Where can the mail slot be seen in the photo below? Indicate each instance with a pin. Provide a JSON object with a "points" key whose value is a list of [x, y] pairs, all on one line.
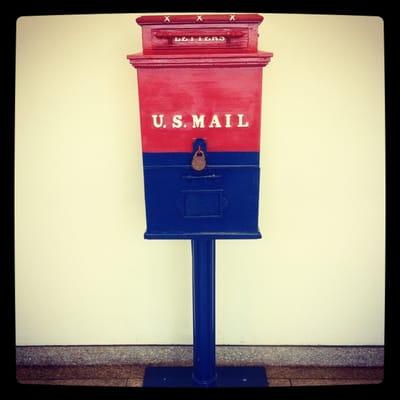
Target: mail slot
{"points": [[200, 84]]}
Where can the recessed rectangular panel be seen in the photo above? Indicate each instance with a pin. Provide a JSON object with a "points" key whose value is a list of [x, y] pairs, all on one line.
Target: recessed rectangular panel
{"points": [[202, 203]]}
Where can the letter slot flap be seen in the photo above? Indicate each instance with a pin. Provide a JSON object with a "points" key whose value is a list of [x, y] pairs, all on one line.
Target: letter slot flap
{"points": [[197, 39]]}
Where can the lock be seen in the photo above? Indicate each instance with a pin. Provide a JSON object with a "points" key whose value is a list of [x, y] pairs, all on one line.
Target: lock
{"points": [[199, 160]]}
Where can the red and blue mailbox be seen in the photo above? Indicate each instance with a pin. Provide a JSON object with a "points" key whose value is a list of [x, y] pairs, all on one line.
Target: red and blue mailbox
{"points": [[200, 84]]}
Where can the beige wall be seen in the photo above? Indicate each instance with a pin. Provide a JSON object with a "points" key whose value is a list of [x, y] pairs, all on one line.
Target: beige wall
{"points": [[85, 275]]}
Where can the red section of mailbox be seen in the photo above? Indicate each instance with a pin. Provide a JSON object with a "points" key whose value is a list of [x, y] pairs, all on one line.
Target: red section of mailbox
{"points": [[200, 76], [180, 105]]}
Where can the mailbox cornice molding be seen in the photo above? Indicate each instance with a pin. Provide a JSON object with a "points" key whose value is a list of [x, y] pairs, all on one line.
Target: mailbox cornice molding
{"points": [[197, 60], [199, 19]]}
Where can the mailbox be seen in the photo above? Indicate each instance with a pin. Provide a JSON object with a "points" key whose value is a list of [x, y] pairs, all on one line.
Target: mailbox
{"points": [[199, 81]]}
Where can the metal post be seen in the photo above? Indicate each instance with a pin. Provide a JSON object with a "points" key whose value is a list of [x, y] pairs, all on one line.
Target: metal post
{"points": [[203, 263], [204, 371]]}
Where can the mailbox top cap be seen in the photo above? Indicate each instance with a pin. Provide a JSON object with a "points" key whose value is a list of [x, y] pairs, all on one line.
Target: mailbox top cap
{"points": [[199, 18]]}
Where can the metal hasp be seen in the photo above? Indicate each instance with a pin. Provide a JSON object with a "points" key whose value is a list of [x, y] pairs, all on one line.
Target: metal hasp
{"points": [[200, 86]]}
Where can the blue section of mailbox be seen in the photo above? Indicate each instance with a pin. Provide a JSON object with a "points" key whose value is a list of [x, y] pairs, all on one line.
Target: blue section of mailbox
{"points": [[219, 202]]}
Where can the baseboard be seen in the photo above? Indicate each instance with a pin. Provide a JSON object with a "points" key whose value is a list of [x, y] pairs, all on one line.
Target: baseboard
{"points": [[325, 356]]}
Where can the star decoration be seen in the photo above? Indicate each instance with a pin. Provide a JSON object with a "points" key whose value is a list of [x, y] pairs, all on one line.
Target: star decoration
{"points": [[166, 19], [199, 18], [231, 18]]}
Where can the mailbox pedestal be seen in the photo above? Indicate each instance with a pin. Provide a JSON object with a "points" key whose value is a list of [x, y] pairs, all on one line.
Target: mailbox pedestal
{"points": [[199, 80], [204, 372]]}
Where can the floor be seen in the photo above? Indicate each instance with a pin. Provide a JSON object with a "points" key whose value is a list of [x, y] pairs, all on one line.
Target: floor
{"points": [[132, 375]]}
